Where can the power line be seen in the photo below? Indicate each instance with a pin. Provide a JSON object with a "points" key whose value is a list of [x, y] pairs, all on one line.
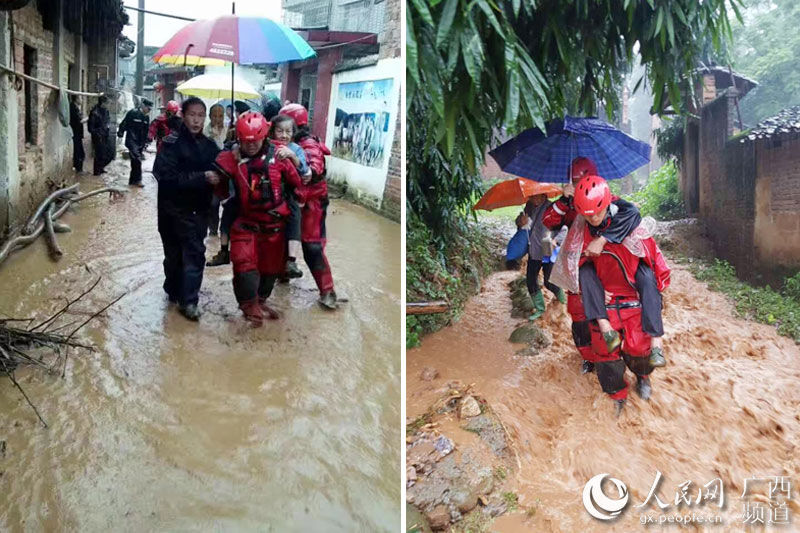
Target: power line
{"points": [[159, 14]]}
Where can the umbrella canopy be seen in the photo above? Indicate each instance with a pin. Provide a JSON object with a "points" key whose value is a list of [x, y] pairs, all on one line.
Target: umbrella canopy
{"points": [[217, 86], [232, 39], [540, 157], [514, 192]]}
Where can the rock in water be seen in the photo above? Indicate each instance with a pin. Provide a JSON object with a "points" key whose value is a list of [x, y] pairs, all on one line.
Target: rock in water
{"points": [[429, 374], [444, 445], [525, 334], [439, 518], [470, 407]]}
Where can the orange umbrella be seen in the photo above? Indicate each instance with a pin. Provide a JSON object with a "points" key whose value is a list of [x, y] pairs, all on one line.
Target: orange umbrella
{"points": [[515, 192]]}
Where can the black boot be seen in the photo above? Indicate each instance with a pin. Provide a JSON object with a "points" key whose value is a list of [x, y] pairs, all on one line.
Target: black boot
{"points": [[587, 367], [643, 387], [223, 257]]}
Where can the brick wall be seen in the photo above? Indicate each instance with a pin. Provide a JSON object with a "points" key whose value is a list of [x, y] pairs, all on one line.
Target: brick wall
{"points": [[392, 193], [389, 38], [777, 224], [749, 195]]}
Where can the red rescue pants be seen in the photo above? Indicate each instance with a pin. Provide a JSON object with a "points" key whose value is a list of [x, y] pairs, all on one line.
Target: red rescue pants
{"points": [[313, 237]]}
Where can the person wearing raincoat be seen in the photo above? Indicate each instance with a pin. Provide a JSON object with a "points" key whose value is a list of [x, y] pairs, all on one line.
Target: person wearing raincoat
{"points": [[540, 245], [616, 267]]}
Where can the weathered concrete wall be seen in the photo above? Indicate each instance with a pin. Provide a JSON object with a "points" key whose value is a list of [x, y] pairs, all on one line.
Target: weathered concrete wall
{"points": [[393, 190], [9, 118], [366, 184]]}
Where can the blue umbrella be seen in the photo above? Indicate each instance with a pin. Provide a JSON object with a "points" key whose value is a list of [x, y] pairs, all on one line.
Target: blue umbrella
{"points": [[537, 157]]}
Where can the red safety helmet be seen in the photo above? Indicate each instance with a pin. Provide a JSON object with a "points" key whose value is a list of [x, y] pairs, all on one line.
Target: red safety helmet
{"points": [[583, 166], [173, 107], [592, 195], [251, 126], [297, 112]]}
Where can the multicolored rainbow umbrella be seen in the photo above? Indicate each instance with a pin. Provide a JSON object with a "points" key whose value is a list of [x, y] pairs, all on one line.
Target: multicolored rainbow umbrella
{"points": [[233, 39]]}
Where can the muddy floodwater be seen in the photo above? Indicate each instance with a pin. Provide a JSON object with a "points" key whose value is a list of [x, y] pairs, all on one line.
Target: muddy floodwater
{"points": [[212, 426], [726, 407]]}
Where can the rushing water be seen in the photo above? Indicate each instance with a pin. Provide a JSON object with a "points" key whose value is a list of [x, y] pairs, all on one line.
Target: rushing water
{"points": [[727, 406], [212, 426]]}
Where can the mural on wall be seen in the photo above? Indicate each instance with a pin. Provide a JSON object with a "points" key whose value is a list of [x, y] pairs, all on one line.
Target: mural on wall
{"points": [[361, 128]]}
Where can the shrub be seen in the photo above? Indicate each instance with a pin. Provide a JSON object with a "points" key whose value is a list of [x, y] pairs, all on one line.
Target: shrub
{"points": [[660, 198]]}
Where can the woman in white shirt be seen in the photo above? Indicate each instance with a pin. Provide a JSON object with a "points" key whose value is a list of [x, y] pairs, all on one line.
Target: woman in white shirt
{"points": [[216, 129]]}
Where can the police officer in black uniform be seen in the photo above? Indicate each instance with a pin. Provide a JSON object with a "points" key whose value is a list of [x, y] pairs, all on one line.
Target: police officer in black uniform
{"points": [[135, 126], [185, 175]]}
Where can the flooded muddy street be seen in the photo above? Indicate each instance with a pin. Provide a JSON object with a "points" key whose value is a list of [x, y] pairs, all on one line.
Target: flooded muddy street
{"points": [[210, 426], [726, 407]]}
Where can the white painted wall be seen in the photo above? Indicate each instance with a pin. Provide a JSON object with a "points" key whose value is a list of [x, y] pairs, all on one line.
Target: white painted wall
{"points": [[364, 180]]}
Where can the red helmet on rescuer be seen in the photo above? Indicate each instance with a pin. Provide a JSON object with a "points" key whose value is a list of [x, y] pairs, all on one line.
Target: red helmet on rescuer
{"points": [[298, 113], [173, 107], [583, 166], [251, 126], [592, 195]]}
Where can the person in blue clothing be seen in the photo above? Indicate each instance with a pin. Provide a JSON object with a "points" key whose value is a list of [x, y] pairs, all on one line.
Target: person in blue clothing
{"points": [[540, 249]]}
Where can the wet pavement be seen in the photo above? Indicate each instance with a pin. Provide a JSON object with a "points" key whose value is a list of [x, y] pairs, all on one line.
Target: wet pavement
{"points": [[209, 426], [726, 407]]}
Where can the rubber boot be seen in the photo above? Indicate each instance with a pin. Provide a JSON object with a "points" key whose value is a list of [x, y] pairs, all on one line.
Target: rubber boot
{"points": [[223, 257], [612, 340], [292, 270], [643, 387], [561, 296], [657, 358], [328, 300], [265, 286], [619, 405], [538, 305], [253, 312], [587, 367], [190, 311]]}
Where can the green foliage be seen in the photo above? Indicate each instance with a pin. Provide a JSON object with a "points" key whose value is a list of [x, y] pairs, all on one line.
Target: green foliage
{"points": [[476, 67], [767, 49], [669, 139], [791, 287], [757, 303], [511, 500], [661, 198], [451, 271]]}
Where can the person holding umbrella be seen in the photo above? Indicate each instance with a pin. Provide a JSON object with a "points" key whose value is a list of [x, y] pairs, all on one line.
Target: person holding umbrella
{"points": [[135, 127], [540, 245]]}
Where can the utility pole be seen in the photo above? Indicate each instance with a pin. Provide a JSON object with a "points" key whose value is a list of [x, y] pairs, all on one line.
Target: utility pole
{"points": [[140, 51]]}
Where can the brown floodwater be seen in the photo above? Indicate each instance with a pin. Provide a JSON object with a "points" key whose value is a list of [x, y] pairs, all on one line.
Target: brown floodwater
{"points": [[726, 406], [212, 426]]}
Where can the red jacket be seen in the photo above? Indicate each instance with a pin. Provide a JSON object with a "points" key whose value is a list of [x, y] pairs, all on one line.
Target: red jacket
{"points": [[158, 130], [259, 184], [315, 156], [616, 265]]}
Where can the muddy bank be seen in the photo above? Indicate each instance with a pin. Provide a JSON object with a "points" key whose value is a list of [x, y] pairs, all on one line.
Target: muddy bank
{"points": [[725, 407], [173, 425]]}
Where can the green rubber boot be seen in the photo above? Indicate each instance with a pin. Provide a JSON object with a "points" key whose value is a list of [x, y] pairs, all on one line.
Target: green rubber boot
{"points": [[561, 296], [538, 305]]}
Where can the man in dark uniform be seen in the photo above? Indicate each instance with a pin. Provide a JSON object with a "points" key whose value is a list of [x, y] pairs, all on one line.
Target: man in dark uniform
{"points": [[76, 123], [99, 129], [184, 171], [135, 126]]}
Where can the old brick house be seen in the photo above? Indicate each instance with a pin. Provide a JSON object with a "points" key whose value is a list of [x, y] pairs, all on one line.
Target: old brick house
{"points": [[64, 43], [744, 185]]}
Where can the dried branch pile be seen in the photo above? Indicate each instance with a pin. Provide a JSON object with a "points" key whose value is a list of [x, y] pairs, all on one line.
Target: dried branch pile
{"points": [[46, 343]]}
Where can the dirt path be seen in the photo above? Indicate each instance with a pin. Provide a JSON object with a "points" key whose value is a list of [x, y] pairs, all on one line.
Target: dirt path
{"points": [[727, 406], [209, 426]]}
